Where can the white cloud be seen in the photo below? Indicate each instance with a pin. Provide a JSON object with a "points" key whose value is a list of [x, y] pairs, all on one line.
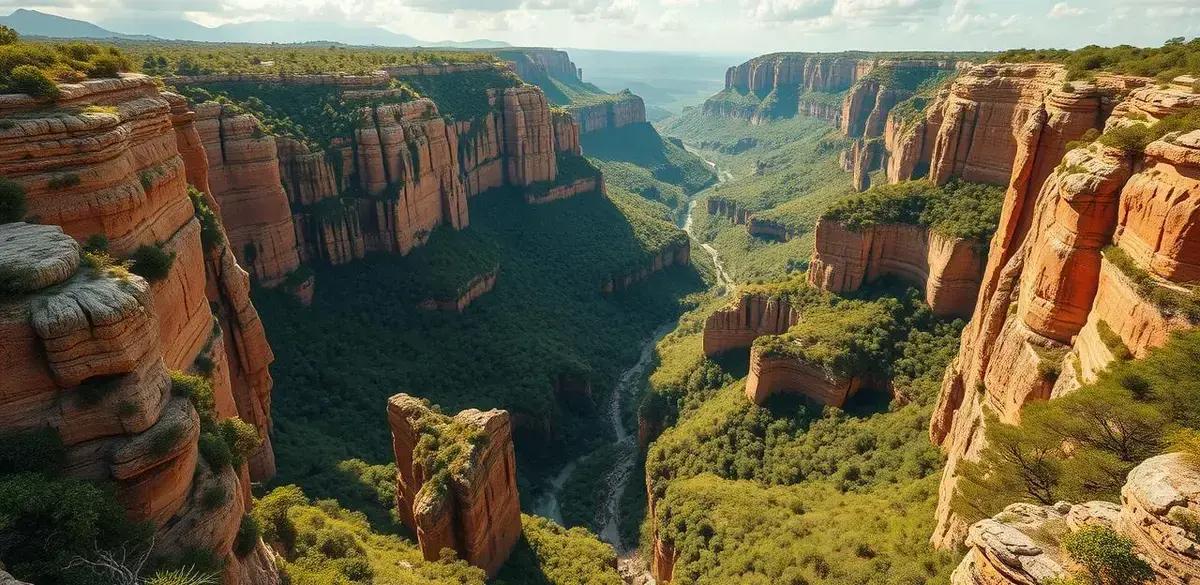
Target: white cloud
{"points": [[1064, 10], [877, 12], [788, 10]]}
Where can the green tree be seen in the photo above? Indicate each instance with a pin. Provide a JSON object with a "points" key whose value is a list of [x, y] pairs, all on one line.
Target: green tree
{"points": [[1107, 557]]}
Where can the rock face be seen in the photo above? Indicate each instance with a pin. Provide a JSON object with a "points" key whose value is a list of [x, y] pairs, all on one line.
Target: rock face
{"points": [[1047, 288], [533, 64], [770, 375], [625, 110], [89, 355], [751, 316], [677, 254], [243, 176], [806, 72], [975, 127], [948, 269], [475, 288], [403, 172], [1022, 546], [472, 507]]}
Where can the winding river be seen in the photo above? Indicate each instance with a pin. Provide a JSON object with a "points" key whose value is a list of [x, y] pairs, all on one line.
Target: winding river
{"points": [[632, 568]]}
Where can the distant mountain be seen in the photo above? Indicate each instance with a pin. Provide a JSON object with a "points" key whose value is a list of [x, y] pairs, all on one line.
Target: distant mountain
{"points": [[32, 22]]}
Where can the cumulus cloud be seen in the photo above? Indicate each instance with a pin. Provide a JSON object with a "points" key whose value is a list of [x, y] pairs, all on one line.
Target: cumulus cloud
{"points": [[968, 15], [1064, 10], [850, 13]]}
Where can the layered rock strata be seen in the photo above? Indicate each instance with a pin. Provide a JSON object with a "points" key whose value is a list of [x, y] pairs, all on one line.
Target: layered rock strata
{"points": [[90, 355], [475, 288], [778, 374], [625, 109], [1023, 544], [1047, 287], [243, 176], [677, 254], [81, 355], [751, 316], [948, 269], [473, 507]]}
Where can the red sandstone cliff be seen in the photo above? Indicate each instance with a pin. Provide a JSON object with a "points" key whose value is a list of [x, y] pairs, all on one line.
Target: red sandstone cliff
{"points": [[120, 172], [1022, 546], [625, 110], [471, 507], [1046, 287], [751, 316], [949, 269], [243, 176]]}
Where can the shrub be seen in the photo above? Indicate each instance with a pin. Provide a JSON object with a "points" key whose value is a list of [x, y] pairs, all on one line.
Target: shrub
{"points": [[196, 389], [247, 536], [241, 437], [12, 201], [63, 181], [1068, 88], [96, 243], [163, 440], [8, 36], [211, 235], [107, 65], [1107, 557], [39, 450], [215, 451], [1113, 341], [152, 262], [213, 496], [33, 81]]}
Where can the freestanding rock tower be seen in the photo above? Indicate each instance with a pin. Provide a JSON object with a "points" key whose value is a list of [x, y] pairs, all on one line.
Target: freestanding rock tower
{"points": [[456, 482]]}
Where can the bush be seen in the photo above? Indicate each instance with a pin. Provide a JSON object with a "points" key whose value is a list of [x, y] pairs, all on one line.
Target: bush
{"points": [[241, 437], [152, 262], [958, 209], [12, 201], [211, 234], [96, 243], [33, 81], [164, 440], [196, 389], [8, 36], [107, 65], [1107, 557], [63, 181], [215, 451], [39, 450], [247, 536], [213, 496]]}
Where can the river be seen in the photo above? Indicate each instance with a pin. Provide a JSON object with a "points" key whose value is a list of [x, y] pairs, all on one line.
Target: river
{"points": [[632, 567]]}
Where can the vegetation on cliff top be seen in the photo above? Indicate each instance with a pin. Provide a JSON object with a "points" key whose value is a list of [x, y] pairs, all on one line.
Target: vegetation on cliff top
{"points": [[1134, 138], [1176, 57], [36, 67], [638, 159], [549, 554], [791, 493], [1081, 446], [197, 58], [957, 209]]}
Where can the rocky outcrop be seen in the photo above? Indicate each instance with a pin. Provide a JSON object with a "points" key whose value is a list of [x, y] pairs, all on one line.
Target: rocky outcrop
{"points": [[949, 269], [675, 254], [973, 129], [728, 209], [751, 316], [460, 494], [771, 229], [537, 63], [475, 288], [553, 193], [81, 356], [772, 374], [805, 71], [404, 171], [243, 176], [624, 109], [89, 355], [1023, 544], [1047, 288], [820, 108]]}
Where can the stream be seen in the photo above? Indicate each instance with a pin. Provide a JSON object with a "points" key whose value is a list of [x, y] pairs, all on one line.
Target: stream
{"points": [[632, 567]]}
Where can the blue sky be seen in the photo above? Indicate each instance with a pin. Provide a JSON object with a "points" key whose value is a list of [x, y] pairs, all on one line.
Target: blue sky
{"points": [[711, 26]]}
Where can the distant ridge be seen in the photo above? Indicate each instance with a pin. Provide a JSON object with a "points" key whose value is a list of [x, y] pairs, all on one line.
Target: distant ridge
{"points": [[35, 23]]}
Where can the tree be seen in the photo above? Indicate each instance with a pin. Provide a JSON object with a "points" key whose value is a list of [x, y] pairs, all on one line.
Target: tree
{"points": [[8, 36], [1107, 557]]}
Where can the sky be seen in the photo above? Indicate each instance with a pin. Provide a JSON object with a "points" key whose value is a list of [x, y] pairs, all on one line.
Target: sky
{"points": [[703, 26]]}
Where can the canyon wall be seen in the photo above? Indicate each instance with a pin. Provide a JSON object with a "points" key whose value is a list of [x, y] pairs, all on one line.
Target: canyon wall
{"points": [[625, 109], [472, 507], [89, 348], [537, 63], [779, 374], [403, 171], [948, 269], [675, 254], [1047, 287], [751, 316], [1022, 545]]}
